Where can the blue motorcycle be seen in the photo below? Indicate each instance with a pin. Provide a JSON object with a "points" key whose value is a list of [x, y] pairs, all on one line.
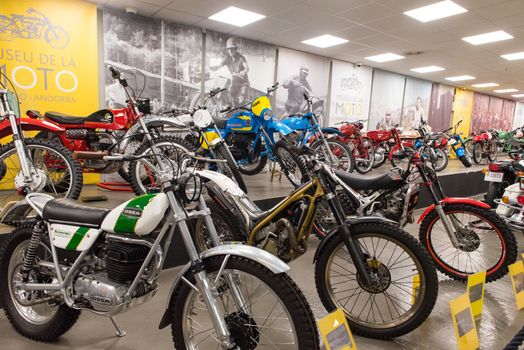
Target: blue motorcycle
{"points": [[458, 146], [254, 136], [335, 152]]}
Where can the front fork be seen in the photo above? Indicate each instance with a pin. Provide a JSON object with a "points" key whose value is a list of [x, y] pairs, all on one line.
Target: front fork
{"points": [[20, 150]]}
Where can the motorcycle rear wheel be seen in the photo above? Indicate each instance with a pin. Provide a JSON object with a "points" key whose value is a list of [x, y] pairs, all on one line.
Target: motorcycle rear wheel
{"points": [[442, 160], [495, 252], [478, 151], [255, 167], [364, 155], [41, 322], [291, 164], [380, 155], [276, 294], [344, 155], [339, 285]]}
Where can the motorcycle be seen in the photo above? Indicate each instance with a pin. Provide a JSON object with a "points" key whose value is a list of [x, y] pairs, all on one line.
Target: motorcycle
{"points": [[509, 141], [502, 174], [74, 258], [462, 235], [433, 145], [348, 262], [510, 206], [458, 146], [335, 152], [250, 135], [104, 132], [380, 140], [484, 146], [362, 146], [29, 165]]}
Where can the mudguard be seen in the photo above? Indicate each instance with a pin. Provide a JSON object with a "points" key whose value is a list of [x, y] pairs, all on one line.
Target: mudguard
{"points": [[280, 127], [396, 147], [352, 221], [30, 124], [454, 200], [331, 130], [262, 257]]}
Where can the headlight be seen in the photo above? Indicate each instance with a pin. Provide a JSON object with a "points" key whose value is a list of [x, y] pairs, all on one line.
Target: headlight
{"points": [[268, 114], [190, 187]]}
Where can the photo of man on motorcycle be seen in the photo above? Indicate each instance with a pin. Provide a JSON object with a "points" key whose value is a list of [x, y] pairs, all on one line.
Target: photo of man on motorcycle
{"points": [[297, 87], [237, 65]]}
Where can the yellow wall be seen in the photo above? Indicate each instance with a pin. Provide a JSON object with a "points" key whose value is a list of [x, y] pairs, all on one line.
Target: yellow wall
{"points": [[462, 107], [55, 70]]}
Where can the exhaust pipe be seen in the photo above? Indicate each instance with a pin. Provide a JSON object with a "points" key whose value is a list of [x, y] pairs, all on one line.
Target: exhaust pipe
{"points": [[89, 154]]}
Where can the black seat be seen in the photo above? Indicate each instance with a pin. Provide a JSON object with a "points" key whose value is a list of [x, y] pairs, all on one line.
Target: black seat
{"points": [[387, 181], [220, 123], [67, 211], [100, 116]]}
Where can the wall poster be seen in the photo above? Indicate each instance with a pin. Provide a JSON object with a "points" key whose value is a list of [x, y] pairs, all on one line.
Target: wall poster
{"points": [[441, 106], [350, 92], [245, 67], [480, 114], [300, 73], [417, 95], [518, 120], [508, 111], [386, 99]]}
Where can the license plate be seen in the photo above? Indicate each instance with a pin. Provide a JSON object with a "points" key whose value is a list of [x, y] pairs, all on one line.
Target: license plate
{"points": [[493, 177]]}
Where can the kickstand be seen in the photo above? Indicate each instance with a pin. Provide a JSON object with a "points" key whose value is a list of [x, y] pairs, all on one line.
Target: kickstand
{"points": [[275, 173], [119, 333]]}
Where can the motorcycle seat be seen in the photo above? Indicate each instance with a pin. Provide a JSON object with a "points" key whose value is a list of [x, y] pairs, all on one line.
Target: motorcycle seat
{"points": [[69, 212], [101, 116], [387, 181]]}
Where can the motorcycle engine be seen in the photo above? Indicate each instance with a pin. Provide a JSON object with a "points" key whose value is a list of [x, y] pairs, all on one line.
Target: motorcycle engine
{"points": [[102, 142], [391, 206], [105, 289], [240, 145], [280, 236]]}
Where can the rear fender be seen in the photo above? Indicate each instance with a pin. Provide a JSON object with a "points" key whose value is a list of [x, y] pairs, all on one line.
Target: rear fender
{"points": [[453, 200], [352, 221], [30, 124], [262, 257]]}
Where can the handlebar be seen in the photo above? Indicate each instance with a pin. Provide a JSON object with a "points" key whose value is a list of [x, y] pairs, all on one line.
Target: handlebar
{"points": [[216, 91], [273, 88], [114, 73]]}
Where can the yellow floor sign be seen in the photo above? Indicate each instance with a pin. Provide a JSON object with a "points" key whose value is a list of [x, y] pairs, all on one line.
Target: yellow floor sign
{"points": [[476, 284], [464, 323], [335, 332], [516, 271]]}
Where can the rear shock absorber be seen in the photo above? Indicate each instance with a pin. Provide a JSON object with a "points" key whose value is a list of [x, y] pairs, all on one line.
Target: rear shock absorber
{"points": [[30, 255]]}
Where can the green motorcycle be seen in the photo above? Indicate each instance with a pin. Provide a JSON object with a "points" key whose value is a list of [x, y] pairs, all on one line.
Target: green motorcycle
{"points": [[509, 141]]}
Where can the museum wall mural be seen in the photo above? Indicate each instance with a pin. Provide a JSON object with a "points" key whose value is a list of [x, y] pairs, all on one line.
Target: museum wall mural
{"points": [[387, 94], [518, 119], [491, 112], [350, 93], [417, 94], [441, 106], [462, 110]]}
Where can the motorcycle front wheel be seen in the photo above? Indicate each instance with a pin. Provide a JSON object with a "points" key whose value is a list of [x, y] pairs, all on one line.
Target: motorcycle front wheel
{"points": [[54, 170], [291, 164], [380, 155], [441, 160], [478, 151], [404, 283], [486, 242], [275, 314], [364, 154], [344, 159]]}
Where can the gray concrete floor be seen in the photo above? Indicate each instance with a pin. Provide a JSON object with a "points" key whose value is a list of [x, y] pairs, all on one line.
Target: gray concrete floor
{"points": [[498, 324]]}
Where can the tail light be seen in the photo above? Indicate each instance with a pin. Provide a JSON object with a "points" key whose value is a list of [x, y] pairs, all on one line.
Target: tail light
{"points": [[494, 167], [520, 199]]}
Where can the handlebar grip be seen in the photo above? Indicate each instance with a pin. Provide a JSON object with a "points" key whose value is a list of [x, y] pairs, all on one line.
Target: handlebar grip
{"points": [[114, 73]]}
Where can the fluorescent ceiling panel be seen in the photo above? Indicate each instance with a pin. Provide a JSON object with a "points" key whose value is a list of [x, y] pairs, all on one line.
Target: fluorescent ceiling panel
{"points": [[513, 56], [504, 91], [385, 57], [518, 95], [436, 11], [236, 16], [324, 41], [460, 78], [485, 85], [486, 38], [428, 69]]}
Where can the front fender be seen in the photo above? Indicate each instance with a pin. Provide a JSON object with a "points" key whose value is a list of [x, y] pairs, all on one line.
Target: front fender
{"points": [[30, 124], [331, 130], [453, 200], [280, 127], [263, 257], [352, 221], [225, 183]]}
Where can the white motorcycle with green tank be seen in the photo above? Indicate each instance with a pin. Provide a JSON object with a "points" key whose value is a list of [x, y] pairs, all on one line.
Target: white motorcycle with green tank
{"points": [[71, 258]]}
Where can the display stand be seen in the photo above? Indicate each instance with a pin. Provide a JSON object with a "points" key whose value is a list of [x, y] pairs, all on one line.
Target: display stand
{"points": [[115, 186]]}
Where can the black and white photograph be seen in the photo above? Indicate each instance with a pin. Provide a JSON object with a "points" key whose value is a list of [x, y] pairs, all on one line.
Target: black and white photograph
{"points": [[417, 95], [386, 100], [244, 67], [301, 74]]}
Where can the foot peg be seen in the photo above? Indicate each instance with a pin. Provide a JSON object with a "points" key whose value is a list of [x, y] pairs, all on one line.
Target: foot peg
{"points": [[119, 332]]}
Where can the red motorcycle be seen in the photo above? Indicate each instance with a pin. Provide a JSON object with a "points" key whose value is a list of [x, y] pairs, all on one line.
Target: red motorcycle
{"points": [[389, 145], [104, 132], [483, 145], [361, 145]]}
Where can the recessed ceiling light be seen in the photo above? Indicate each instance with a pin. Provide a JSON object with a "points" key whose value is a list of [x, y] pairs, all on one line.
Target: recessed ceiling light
{"points": [[513, 56], [504, 91], [237, 17], [385, 57], [485, 85], [436, 11], [518, 95], [460, 78], [427, 69], [485, 38], [325, 41]]}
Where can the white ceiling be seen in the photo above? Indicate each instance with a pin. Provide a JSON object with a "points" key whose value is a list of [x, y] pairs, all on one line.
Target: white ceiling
{"points": [[373, 27]]}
